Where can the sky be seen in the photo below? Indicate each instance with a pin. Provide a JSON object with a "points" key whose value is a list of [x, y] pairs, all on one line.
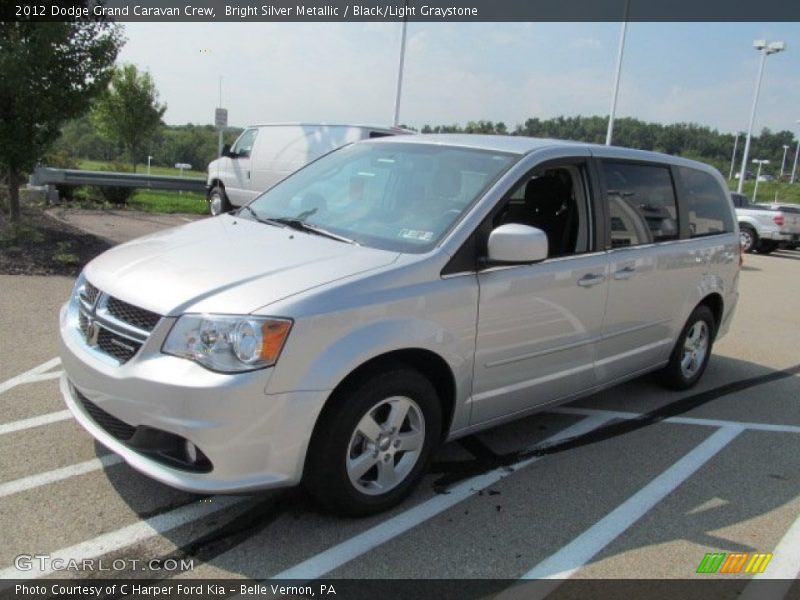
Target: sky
{"points": [[456, 72]]}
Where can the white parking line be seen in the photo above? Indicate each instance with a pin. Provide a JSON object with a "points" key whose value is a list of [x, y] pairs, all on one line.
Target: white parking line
{"points": [[45, 419], [620, 414], [785, 565], [44, 377], [337, 555], [34, 481], [28, 376], [127, 536], [582, 549]]}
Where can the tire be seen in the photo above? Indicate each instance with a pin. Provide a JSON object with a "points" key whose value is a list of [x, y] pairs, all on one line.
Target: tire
{"points": [[748, 238], [767, 246], [691, 352], [353, 447], [218, 202]]}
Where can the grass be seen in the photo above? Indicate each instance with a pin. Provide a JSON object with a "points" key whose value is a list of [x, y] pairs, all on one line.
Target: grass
{"points": [[99, 165], [168, 202], [769, 191], [156, 201]]}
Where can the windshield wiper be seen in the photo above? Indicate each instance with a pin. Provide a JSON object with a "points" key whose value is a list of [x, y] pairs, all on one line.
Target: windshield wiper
{"points": [[256, 215], [301, 225]]}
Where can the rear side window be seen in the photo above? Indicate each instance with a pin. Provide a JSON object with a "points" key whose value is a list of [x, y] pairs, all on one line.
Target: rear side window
{"points": [[706, 203], [641, 203]]}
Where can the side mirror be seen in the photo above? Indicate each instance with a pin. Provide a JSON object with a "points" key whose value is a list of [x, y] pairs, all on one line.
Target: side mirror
{"points": [[517, 243], [226, 151]]}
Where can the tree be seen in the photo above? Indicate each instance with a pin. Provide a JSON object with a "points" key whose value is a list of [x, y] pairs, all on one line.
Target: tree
{"points": [[129, 112], [51, 73]]}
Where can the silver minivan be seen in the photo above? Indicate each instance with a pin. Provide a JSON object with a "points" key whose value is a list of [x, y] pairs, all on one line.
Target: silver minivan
{"points": [[392, 295]]}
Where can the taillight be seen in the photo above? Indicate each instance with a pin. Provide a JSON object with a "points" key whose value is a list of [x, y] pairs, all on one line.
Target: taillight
{"points": [[778, 219]]}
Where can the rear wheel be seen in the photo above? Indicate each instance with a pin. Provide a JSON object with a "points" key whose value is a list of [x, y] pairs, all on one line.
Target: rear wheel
{"points": [[217, 201], [748, 238], [373, 442], [691, 353]]}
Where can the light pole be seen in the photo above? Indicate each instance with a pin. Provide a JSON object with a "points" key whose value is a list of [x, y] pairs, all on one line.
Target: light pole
{"points": [[733, 156], [760, 164], [149, 158], [783, 160], [617, 74], [765, 48], [398, 91], [796, 152]]}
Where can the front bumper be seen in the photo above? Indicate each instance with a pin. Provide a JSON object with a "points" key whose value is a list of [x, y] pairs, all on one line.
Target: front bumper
{"points": [[777, 236], [253, 440]]}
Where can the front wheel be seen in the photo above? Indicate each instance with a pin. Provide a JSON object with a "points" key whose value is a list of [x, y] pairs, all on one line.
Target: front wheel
{"points": [[691, 352], [373, 442], [217, 201]]}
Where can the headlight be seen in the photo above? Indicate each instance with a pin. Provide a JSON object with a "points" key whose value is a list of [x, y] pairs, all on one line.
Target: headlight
{"points": [[228, 343]]}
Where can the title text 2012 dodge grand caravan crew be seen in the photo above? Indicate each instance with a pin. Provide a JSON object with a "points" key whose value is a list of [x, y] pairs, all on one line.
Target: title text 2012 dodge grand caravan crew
{"points": [[393, 294]]}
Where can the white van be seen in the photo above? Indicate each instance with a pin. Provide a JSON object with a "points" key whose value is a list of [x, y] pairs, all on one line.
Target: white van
{"points": [[265, 154]]}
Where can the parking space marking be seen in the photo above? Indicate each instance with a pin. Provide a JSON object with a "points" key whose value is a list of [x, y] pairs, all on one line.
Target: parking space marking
{"points": [[564, 563], [34, 481], [785, 565], [127, 536], [28, 376], [617, 414], [46, 419], [342, 553], [44, 377]]}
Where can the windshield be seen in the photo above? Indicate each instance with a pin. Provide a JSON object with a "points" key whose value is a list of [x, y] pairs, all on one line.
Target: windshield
{"points": [[393, 196]]}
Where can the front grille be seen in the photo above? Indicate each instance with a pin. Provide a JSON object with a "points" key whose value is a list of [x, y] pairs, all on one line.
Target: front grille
{"points": [[133, 315], [89, 293], [117, 346], [119, 429], [111, 326], [83, 322]]}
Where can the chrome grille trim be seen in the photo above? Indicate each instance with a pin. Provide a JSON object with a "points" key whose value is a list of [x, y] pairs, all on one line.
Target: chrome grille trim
{"points": [[89, 293], [107, 332]]}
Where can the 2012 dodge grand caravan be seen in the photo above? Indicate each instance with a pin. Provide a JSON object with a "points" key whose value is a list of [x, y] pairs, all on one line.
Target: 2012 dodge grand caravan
{"points": [[391, 295]]}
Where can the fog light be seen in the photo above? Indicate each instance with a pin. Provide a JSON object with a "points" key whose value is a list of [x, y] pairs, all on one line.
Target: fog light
{"points": [[191, 452]]}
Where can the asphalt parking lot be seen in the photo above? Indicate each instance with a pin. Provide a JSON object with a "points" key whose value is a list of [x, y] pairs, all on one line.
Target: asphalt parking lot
{"points": [[635, 482]]}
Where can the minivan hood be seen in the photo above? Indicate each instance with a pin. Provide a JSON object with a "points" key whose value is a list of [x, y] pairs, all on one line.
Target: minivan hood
{"points": [[225, 265]]}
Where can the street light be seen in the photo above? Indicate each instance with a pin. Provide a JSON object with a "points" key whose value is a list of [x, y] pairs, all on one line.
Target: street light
{"points": [[733, 156], [760, 164], [796, 152], [401, 62], [617, 74], [783, 160], [765, 48]]}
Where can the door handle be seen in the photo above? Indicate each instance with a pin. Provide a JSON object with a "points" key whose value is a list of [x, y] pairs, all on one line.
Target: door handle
{"points": [[624, 273], [591, 279]]}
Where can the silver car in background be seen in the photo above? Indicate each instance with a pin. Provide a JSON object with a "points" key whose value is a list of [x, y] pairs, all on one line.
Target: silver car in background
{"points": [[394, 294]]}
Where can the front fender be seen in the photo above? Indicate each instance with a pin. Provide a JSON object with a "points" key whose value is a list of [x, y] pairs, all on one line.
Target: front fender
{"points": [[328, 367]]}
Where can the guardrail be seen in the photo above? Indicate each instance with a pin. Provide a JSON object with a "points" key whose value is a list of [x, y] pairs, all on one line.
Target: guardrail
{"points": [[51, 176]]}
